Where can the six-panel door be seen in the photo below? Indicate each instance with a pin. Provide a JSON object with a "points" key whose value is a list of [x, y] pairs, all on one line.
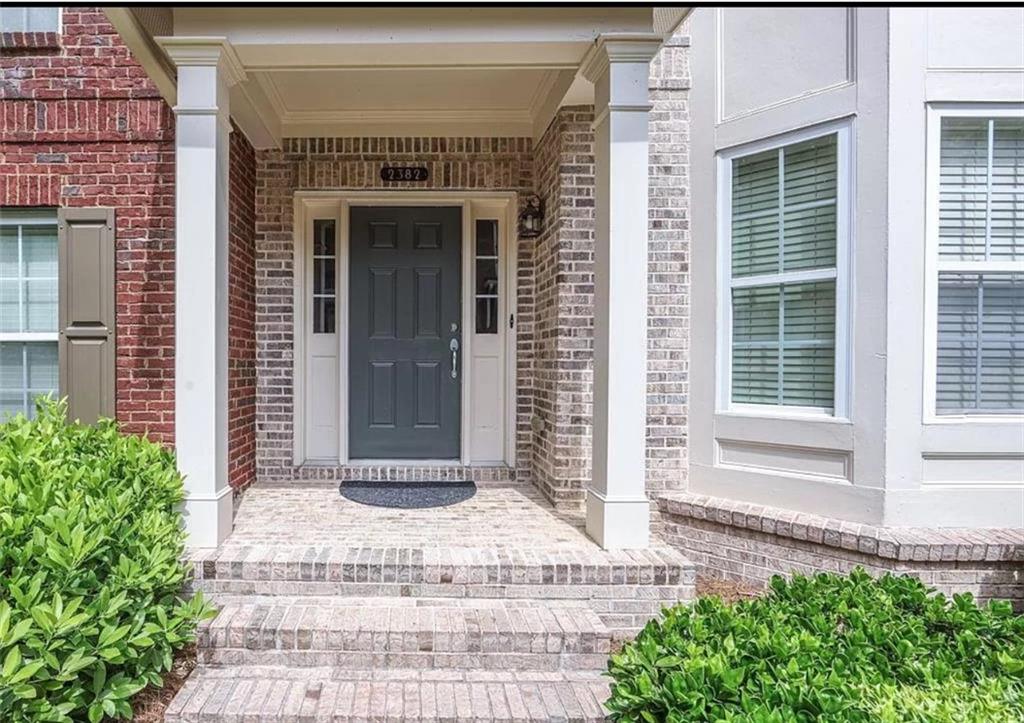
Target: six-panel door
{"points": [[405, 353]]}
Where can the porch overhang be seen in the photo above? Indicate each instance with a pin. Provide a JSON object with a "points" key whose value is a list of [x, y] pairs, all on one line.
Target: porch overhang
{"points": [[330, 71]]}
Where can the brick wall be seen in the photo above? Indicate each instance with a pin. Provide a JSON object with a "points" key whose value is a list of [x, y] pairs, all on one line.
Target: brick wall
{"points": [[564, 296], [668, 270], [742, 541], [81, 125], [242, 312], [503, 164]]}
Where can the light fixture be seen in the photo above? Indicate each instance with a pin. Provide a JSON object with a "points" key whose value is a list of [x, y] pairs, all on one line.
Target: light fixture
{"points": [[531, 218]]}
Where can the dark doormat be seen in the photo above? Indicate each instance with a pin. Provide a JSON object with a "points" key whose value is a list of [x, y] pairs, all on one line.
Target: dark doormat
{"points": [[407, 495]]}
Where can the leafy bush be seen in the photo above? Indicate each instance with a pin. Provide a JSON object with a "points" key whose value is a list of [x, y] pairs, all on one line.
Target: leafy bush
{"points": [[827, 648], [90, 568]]}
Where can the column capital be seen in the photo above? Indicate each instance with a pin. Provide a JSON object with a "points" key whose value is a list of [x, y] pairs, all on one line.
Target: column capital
{"points": [[611, 48], [205, 51]]}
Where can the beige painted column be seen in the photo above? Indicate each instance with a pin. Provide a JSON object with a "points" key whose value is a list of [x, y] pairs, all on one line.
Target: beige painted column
{"points": [[618, 512], [206, 69]]}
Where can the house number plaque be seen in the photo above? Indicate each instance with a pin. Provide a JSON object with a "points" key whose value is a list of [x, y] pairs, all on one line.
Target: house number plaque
{"points": [[404, 174]]}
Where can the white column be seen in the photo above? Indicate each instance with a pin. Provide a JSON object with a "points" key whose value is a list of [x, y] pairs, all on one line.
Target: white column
{"points": [[618, 512], [206, 70]]}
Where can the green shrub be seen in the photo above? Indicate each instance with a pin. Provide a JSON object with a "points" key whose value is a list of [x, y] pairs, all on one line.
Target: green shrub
{"points": [[827, 648], [90, 568]]}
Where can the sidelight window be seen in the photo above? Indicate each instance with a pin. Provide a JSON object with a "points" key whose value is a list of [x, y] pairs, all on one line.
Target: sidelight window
{"points": [[325, 262], [486, 282]]}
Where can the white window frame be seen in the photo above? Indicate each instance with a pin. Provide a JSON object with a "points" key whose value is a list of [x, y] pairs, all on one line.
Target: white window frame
{"points": [[844, 242], [25, 8], [935, 112], [45, 217]]}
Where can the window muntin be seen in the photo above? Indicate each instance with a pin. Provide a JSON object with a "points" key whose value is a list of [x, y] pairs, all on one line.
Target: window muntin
{"points": [[979, 277], [28, 308], [325, 262], [29, 19], [782, 275], [485, 285]]}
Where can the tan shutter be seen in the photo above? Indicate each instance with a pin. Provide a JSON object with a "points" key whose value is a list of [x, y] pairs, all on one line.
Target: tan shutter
{"points": [[86, 317]]}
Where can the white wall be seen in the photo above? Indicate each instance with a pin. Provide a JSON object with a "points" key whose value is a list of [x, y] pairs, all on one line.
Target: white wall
{"points": [[952, 470], [761, 72]]}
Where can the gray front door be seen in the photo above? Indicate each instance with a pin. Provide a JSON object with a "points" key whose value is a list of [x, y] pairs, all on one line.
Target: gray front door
{"points": [[404, 320]]}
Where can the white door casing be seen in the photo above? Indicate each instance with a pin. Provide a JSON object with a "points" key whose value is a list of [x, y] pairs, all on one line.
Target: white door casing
{"points": [[320, 361]]}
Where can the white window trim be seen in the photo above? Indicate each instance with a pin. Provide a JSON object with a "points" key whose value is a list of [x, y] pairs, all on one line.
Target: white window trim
{"points": [[935, 112], [844, 243]]}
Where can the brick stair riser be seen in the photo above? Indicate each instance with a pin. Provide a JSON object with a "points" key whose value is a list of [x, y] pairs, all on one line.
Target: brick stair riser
{"points": [[622, 608], [348, 660], [396, 641]]}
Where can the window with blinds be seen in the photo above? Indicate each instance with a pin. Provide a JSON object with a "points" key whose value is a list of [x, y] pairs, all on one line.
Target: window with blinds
{"points": [[782, 275], [28, 308], [980, 286]]}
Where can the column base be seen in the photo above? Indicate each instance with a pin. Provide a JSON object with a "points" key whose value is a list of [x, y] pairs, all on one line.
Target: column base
{"points": [[208, 518], [619, 524]]}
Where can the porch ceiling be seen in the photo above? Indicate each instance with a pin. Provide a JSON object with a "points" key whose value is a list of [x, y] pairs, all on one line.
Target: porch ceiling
{"points": [[351, 71]]}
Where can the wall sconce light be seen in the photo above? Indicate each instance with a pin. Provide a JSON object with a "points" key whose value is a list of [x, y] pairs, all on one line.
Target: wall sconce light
{"points": [[531, 218]]}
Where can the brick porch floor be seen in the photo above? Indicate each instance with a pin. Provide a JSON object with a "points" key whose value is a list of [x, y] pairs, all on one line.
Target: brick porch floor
{"points": [[334, 609]]}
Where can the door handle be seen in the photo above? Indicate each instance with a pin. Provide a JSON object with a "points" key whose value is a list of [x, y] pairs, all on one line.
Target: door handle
{"points": [[454, 346]]}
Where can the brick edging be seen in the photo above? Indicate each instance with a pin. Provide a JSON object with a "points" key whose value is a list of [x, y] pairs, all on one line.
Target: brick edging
{"points": [[895, 543]]}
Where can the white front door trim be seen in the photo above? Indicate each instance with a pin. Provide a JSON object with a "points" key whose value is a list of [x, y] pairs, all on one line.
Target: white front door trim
{"points": [[310, 205]]}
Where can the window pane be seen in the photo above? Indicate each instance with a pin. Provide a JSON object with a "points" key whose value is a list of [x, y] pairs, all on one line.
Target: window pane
{"points": [[323, 276], [980, 357], [27, 370], [810, 171], [963, 187], [42, 19], [1007, 204], [323, 315], [8, 252], [810, 238], [808, 360], [486, 277], [486, 238], [755, 183], [487, 316], [40, 306], [10, 316], [323, 237], [32, 19], [39, 252], [755, 245], [755, 345]]}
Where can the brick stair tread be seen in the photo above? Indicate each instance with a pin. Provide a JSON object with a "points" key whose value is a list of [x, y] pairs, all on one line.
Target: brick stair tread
{"points": [[241, 693], [443, 565], [297, 625]]}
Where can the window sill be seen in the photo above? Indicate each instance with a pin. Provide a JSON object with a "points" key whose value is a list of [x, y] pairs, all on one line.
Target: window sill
{"points": [[14, 42], [795, 413]]}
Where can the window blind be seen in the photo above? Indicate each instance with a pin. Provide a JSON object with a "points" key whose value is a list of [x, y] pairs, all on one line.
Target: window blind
{"points": [[980, 324], [784, 220]]}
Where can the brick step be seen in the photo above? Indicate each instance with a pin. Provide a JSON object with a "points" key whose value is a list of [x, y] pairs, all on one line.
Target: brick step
{"points": [[269, 694], [294, 633], [625, 587]]}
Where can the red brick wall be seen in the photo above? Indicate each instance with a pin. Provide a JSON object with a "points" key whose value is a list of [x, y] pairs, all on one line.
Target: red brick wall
{"points": [[242, 313], [82, 125]]}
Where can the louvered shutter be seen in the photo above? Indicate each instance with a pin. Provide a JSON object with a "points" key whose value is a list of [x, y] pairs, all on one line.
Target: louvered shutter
{"points": [[86, 312]]}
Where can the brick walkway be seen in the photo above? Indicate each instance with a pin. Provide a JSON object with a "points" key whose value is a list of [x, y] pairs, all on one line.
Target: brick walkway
{"points": [[499, 608]]}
